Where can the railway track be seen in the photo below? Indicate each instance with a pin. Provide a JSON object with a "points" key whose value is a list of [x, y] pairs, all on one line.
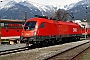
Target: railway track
{"points": [[5, 52], [68, 54], [63, 53], [11, 51]]}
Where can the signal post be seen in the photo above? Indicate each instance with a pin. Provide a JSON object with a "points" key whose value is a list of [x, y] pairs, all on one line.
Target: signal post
{"points": [[85, 27]]}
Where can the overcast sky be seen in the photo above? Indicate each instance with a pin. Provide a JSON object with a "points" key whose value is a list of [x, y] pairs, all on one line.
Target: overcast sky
{"points": [[46, 2], [55, 2]]}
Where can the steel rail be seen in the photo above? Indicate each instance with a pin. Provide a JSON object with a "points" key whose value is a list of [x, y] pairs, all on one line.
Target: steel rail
{"points": [[5, 52], [66, 51]]}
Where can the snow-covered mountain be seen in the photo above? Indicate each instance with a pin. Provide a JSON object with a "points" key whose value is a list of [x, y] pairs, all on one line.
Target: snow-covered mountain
{"points": [[29, 4], [18, 8], [15, 9], [69, 6], [9, 4], [81, 10], [79, 3]]}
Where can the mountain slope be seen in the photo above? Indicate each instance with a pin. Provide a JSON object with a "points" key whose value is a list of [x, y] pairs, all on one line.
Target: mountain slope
{"points": [[15, 10], [81, 10]]}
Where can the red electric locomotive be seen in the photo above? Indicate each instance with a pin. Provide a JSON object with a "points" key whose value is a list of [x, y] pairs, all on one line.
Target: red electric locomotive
{"points": [[11, 28], [43, 30]]}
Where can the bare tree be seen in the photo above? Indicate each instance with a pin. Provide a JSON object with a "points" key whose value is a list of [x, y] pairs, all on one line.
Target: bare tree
{"points": [[60, 14]]}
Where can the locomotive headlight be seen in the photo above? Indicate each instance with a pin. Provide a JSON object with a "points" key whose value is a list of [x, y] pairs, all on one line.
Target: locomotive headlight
{"points": [[34, 33]]}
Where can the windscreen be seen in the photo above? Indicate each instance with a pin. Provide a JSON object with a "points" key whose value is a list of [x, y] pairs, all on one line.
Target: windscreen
{"points": [[30, 25]]}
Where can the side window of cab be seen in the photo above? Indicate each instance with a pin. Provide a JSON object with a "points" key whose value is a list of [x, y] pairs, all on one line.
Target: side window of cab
{"points": [[42, 25]]}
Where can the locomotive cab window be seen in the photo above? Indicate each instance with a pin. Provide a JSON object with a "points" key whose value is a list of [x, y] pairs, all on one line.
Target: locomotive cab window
{"points": [[42, 25], [30, 25]]}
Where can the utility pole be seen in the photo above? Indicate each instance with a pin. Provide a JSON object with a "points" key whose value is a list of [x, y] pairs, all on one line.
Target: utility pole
{"points": [[25, 16]]}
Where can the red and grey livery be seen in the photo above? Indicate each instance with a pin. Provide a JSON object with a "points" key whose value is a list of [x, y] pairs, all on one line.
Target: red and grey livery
{"points": [[43, 30]]}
